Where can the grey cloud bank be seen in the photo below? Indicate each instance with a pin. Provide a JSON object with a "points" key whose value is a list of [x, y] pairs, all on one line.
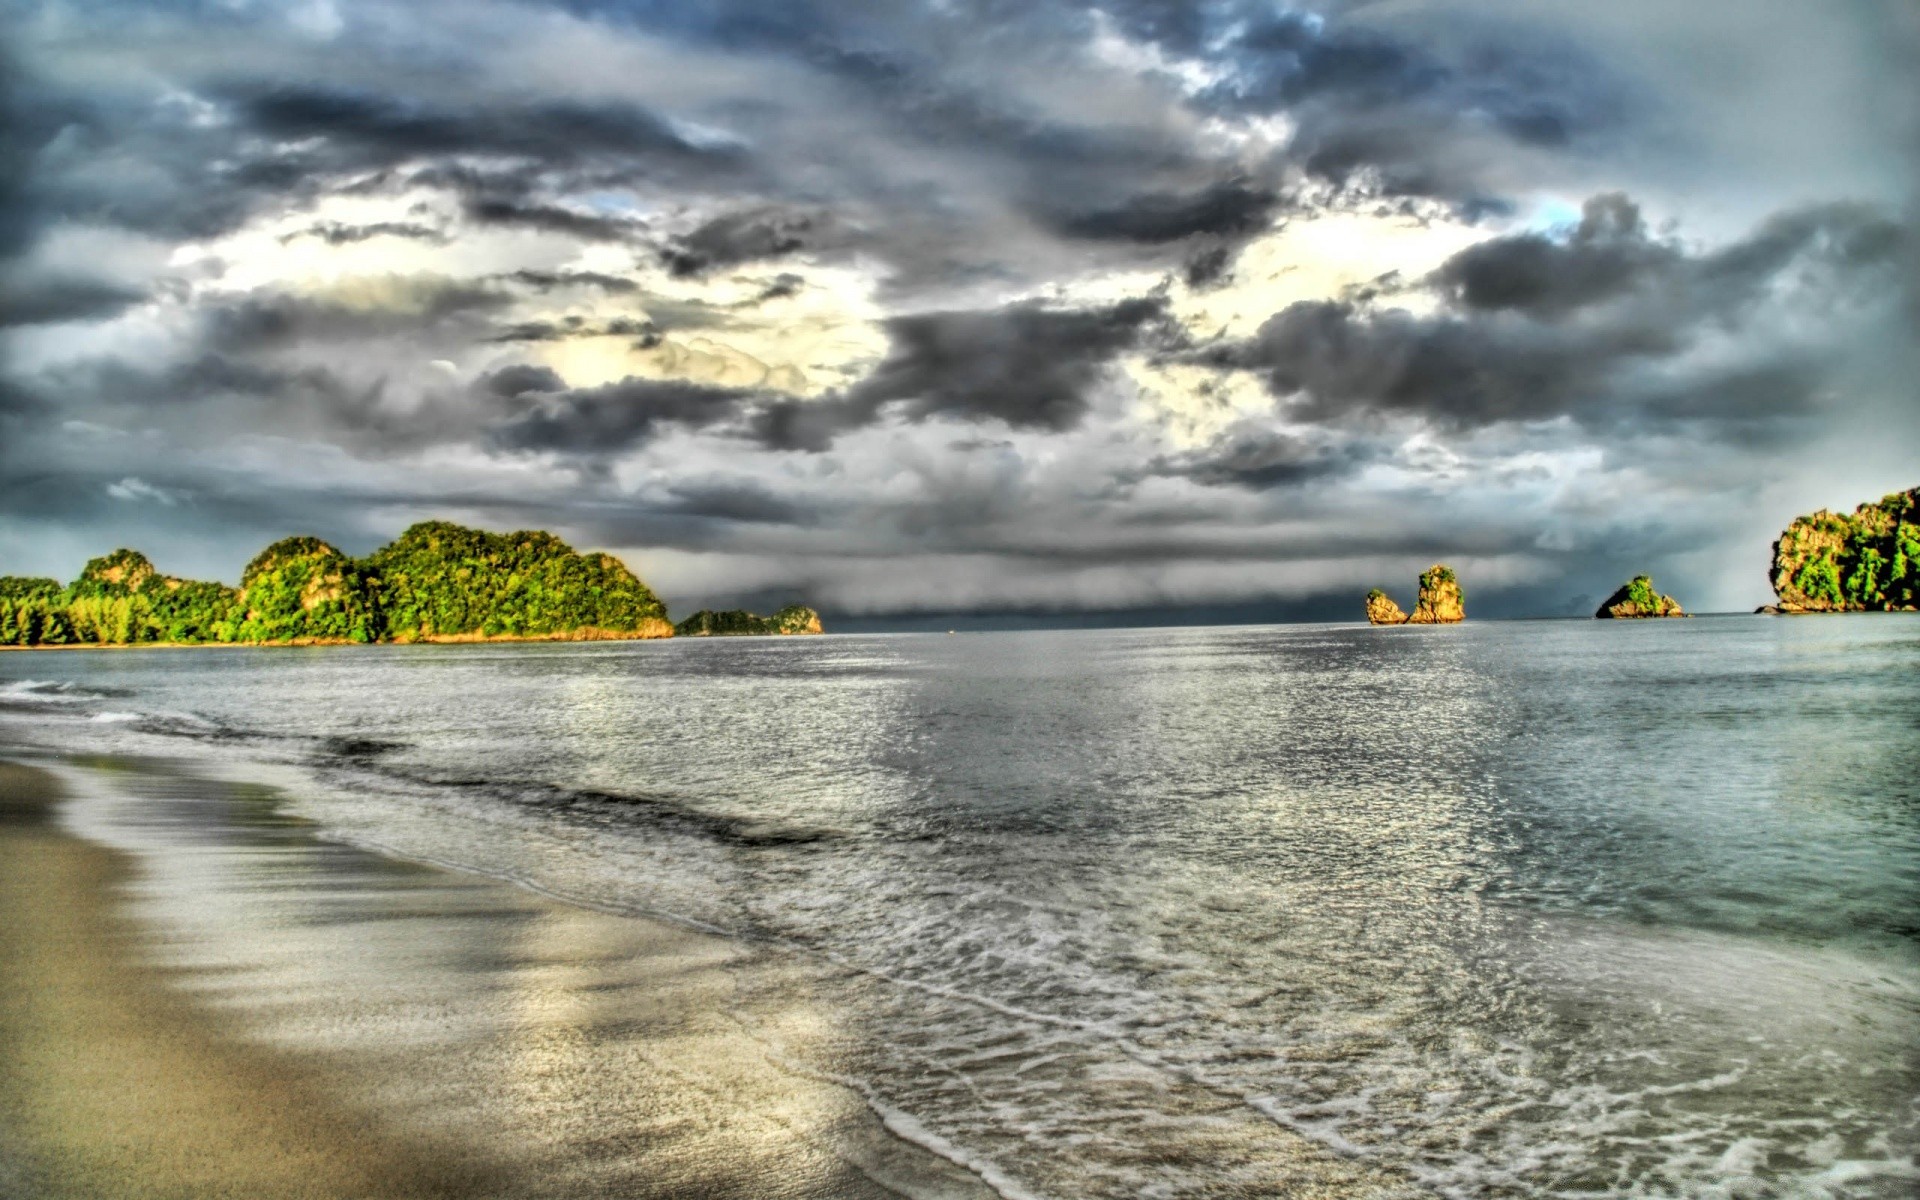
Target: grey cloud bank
{"points": [[1200, 310]]}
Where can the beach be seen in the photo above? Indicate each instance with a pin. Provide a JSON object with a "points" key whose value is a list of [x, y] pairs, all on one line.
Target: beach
{"points": [[396, 1030]]}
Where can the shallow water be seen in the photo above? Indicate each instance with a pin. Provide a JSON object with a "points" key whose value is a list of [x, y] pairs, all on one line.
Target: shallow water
{"points": [[1505, 909]]}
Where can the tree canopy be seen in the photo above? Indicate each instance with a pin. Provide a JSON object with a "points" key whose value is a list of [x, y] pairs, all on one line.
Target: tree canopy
{"points": [[436, 580], [1868, 560]]}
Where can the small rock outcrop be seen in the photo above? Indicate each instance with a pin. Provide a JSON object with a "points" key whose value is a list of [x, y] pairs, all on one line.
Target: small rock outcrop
{"points": [[1381, 610], [793, 619], [1636, 598], [1441, 602]]}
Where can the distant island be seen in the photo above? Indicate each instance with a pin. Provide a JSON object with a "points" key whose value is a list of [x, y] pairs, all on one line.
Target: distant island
{"points": [[793, 619], [1868, 561], [437, 582], [1637, 599], [1440, 602]]}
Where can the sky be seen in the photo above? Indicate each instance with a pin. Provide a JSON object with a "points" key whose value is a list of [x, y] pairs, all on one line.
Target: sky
{"points": [[1073, 310]]}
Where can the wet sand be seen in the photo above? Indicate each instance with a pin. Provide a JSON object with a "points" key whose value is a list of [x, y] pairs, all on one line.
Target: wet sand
{"points": [[199, 998]]}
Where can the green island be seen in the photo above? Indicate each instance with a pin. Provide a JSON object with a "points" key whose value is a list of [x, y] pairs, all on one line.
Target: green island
{"points": [[736, 622], [1637, 599], [437, 582], [1865, 561]]}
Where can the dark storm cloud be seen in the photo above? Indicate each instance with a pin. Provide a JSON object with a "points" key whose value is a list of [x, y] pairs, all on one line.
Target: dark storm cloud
{"points": [[45, 301], [334, 233], [551, 218], [1207, 266], [390, 128], [1233, 207], [1611, 255], [1026, 365], [548, 280], [783, 285], [28, 121], [1261, 459], [592, 423], [739, 501], [519, 379], [737, 238], [646, 332], [277, 320], [1391, 104], [1595, 326]]}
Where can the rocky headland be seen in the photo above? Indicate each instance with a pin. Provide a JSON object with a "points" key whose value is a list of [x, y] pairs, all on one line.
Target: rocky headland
{"points": [[1865, 561], [1440, 602], [793, 619], [1637, 598]]}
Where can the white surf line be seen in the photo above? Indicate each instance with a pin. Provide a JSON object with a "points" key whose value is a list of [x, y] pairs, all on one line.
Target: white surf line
{"points": [[1101, 1034], [897, 1121]]}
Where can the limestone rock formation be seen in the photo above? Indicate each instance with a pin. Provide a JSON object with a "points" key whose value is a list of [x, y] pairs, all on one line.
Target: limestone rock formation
{"points": [[1381, 610], [1441, 602], [1636, 598]]}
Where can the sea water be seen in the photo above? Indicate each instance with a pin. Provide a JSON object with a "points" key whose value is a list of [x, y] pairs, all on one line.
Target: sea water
{"points": [[1503, 909]]}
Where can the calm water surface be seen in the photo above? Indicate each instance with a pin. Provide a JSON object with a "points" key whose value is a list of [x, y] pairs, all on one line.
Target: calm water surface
{"points": [[1508, 909]]}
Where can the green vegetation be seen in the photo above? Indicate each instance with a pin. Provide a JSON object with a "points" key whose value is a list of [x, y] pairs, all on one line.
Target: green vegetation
{"points": [[1434, 576], [437, 581], [302, 588], [736, 622], [1866, 561], [1637, 598]]}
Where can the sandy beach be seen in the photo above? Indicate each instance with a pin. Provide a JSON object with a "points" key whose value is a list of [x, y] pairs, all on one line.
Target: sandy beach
{"points": [[314, 1020]]}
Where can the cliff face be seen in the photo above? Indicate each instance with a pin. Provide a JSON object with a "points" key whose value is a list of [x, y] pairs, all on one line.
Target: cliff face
{"points": [[1868, 561], [1637, 598], [1441, 602], [793, 619]]}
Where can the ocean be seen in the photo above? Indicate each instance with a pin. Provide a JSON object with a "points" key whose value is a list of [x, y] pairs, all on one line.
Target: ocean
{"points": [[1507, 909]]}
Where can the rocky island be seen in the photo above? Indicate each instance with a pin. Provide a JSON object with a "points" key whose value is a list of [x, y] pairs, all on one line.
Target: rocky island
{"points": [[1866, 561], [437, 582], [793, 619], [1440, 602], [1635, 599]]}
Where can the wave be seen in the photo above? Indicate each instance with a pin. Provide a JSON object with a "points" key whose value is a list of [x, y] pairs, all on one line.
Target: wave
{"points": [[56, 692]]}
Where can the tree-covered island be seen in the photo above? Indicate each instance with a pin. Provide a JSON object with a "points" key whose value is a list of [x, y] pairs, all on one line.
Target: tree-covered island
{"points": [[437, 582], [792, 619], [1864, 561]]}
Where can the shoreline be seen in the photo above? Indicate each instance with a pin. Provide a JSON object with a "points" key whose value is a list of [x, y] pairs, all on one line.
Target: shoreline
{"points": [[436, 639], [117, 1085], [239, 1008]]}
